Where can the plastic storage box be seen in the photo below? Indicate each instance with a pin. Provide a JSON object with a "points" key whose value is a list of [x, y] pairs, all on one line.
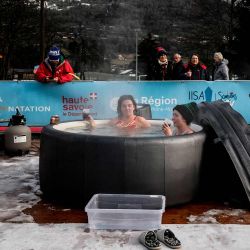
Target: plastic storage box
{"points": [[125, 211]]}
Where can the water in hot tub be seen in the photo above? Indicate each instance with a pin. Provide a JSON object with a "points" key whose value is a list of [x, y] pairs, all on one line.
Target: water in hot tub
{"points": [[106, 130]]}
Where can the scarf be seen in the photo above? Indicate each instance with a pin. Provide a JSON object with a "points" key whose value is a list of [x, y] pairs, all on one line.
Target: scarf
{"points": [[163, 63], [163, 67]]}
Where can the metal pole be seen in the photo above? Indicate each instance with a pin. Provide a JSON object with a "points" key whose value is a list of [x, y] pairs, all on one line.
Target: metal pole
{"points": [[231, 22], [42, 27], [136, 55]]}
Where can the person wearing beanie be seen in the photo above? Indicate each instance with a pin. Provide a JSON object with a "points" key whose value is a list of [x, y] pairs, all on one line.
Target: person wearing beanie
{"points": [[161, 69], [183, 115], [55, 68]]}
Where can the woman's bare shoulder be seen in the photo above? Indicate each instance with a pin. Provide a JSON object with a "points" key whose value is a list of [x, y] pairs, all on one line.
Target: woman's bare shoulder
{"points": [[144, 123]]}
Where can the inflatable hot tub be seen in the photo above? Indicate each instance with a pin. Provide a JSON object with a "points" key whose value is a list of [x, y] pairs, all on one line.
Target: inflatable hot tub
{"points": [[76, 163]]}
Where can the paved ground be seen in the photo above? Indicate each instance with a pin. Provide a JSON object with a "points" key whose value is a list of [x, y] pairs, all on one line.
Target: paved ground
{"points": [[78, 236]]}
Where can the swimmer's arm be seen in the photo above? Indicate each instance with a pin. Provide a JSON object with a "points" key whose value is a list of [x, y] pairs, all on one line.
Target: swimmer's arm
{"points": [[143, 122], [91, 121], [190, 132]]}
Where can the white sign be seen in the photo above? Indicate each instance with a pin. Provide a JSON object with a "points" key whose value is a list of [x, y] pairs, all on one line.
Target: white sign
{"points": [[19, 138]]}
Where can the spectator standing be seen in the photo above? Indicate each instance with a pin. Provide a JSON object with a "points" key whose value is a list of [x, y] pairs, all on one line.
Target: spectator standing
{"points": [[161, 69], [147, 53], [55, 68], [220, 69], [178, 69], [195, 70]]}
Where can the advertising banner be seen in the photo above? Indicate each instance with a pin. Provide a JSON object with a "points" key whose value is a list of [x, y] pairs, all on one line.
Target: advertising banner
{"points": [[39, 101]]}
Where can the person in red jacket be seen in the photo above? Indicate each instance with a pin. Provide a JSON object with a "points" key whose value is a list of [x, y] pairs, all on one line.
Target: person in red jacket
{"points": [[55, 68], [195, 70]]}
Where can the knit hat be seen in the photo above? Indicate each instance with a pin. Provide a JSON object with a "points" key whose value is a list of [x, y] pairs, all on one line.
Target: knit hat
{"points": [[54, 54], [161, 51], [188, 111]]}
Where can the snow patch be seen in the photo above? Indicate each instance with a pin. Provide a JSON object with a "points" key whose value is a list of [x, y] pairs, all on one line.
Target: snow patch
{"points": [[19, 187], [67, 236], [208, 216]]}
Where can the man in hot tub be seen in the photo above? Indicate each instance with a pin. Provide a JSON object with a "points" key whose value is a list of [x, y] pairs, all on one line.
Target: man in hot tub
{"points": [[183, 115], [127, 118]]}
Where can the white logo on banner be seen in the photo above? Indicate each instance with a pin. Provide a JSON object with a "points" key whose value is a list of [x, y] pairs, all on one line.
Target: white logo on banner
{"points": [[113, 103], [93, 96], [1, 100]]}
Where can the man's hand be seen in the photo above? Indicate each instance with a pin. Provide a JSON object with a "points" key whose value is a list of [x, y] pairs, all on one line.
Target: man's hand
{"points": [[56, 79], [48, 79]]}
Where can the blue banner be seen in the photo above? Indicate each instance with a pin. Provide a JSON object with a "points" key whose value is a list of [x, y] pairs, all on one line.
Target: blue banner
{"points": [[39, 101]]}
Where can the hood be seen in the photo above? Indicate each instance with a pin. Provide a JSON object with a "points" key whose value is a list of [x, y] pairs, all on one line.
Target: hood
{"points": [[225, 61]]}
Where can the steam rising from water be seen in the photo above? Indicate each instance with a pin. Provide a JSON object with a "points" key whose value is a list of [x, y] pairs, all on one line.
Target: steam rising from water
{"points": [[153, 131]]}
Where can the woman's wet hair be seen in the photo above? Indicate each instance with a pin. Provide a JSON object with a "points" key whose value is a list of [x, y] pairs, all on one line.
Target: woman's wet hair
{"points": [[124, 98]]}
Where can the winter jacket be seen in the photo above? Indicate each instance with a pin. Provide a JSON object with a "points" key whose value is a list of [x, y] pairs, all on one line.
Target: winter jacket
{"points": [[221, 71], [160, 72], [61, 71], [178, 71], [199, 71]]}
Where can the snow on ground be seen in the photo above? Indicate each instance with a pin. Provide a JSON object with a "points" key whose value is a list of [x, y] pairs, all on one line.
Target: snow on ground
{"points": [[77, 236], [209, 216], [19, 187]]}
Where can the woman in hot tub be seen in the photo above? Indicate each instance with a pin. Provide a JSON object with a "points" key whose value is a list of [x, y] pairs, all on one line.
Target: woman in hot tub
{"points": [[127, 118], [183, 115]]}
